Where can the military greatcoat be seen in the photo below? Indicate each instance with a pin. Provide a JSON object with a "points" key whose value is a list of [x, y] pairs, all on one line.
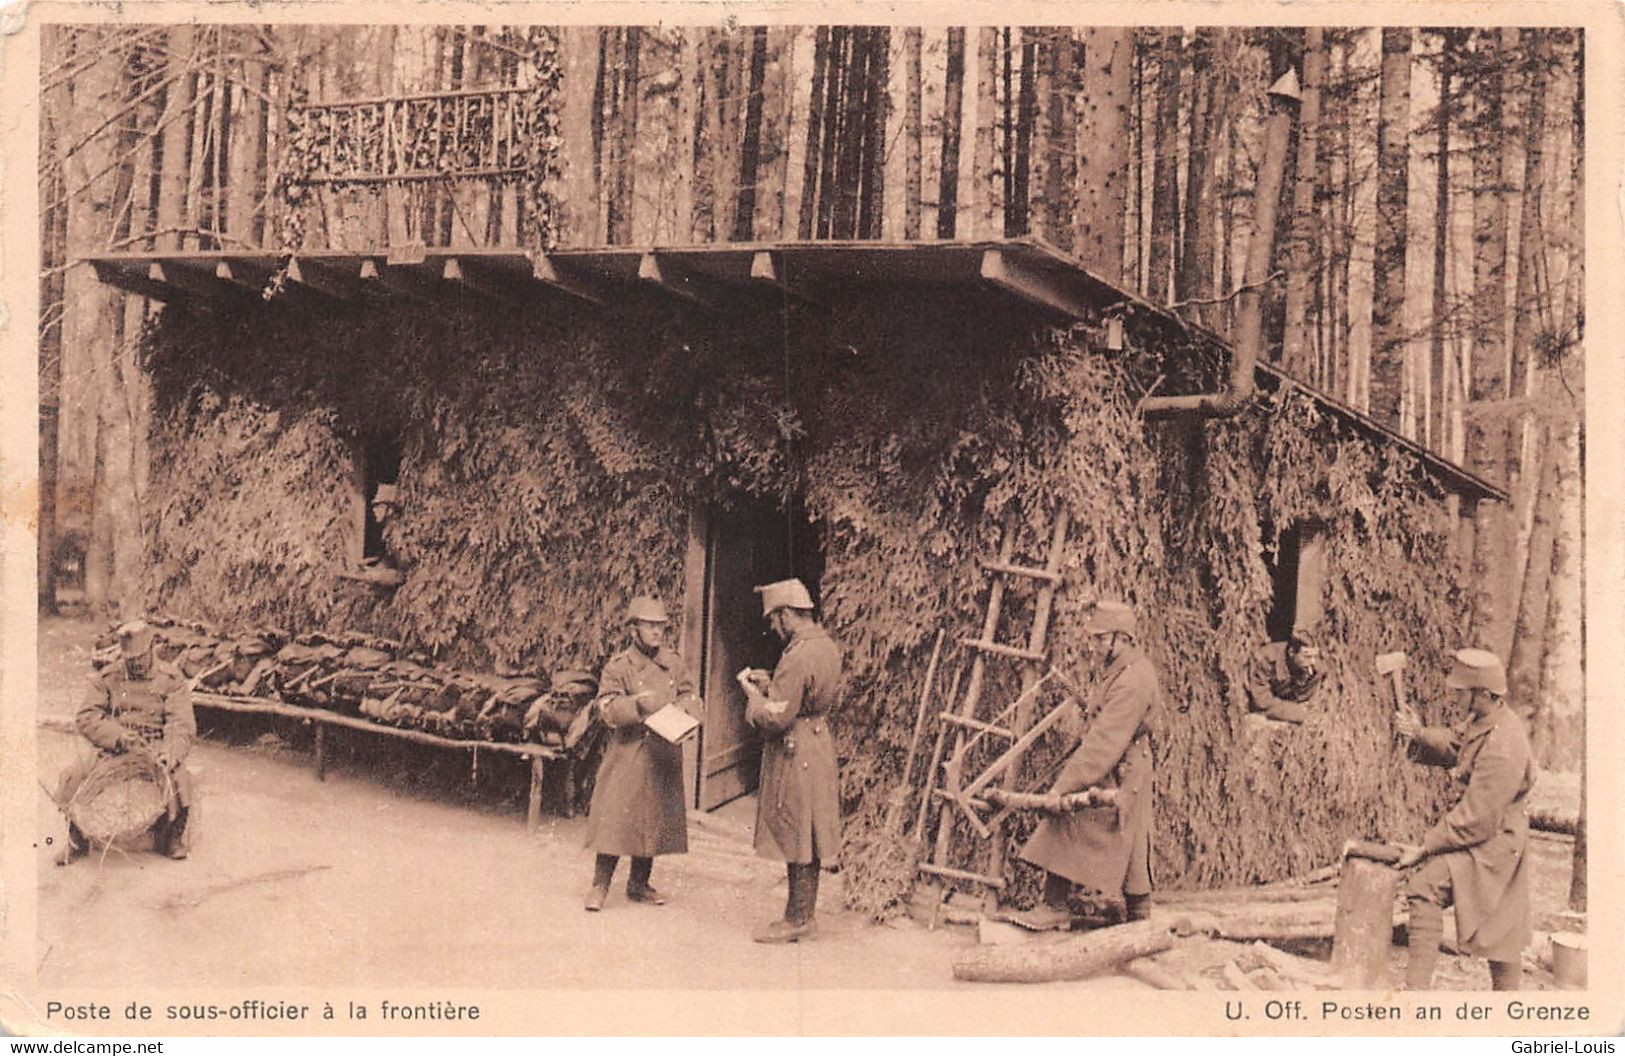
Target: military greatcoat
{"points": [[798, 811], [1484, 838], [637, 801], [120, 712], [1107, 849]]}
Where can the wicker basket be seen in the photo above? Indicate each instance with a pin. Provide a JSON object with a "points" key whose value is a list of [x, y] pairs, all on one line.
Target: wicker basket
{"points": [[121, 798]]}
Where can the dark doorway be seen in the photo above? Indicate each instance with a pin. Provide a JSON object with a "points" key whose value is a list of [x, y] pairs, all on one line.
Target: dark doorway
{"points": [[749, 543]]}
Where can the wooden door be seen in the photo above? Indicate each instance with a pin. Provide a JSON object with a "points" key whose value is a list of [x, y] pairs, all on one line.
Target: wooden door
{"points": [[746, 547]]}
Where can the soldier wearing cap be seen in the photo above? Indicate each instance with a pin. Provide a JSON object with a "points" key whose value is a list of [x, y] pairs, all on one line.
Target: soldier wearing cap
{"points": [[798, 802], [138, 704], [1284, 676], [637, 801], [1105, 850], [1474, 856]]}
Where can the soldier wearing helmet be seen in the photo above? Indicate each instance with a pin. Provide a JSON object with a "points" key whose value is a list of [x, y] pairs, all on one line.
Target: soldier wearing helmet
{"points": [[1103, 850], [637, 802], [798, 820], [1473, 857], [139, 704]]}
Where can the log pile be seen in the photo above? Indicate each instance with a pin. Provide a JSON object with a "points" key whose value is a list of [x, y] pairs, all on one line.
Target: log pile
{"points": [[374, 678]]}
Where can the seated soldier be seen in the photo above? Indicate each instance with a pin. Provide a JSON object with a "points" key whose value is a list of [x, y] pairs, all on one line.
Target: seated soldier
{"points": [[138, 704], [1283, 676]]}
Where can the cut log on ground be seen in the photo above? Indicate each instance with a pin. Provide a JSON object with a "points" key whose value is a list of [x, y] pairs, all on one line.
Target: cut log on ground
{"points": [[1300, 973], [1148, 971], [1271, 922], [1065, 959]]}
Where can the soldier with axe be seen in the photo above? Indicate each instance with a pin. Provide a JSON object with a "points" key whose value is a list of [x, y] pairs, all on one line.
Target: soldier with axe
{"points": [[1473, 857]]}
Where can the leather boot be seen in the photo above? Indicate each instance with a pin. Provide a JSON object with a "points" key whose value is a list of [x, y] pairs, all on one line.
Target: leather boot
{"points": [[1053, 913], [603, 871], [174, 835], [76, 848], [797, 923], [638, 888], [1137, 907], [1506, 975], [1424, 931], [810, 910]]}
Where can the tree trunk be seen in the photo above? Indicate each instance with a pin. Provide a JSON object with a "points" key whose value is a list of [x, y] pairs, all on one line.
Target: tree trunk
{"points": [[1434, 395], [953, 110], [580, 49], [177, 119], [1017, 210], [1195, 276], [1531, 305], [1102, 171], [1528, 639], [92, 320], [1388, 282], [813, 165], [912, 124], [773, 139], [1164, 174], [1303, 259], [872, 163], [1058, 146], [986, 198], [1065, 959], [750, 150]]}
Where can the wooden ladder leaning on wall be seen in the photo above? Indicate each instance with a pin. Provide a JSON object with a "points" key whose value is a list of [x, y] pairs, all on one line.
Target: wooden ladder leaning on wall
{"points": [[947, 787]]}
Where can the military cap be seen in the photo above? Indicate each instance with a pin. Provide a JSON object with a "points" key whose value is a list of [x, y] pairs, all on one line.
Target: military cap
{"points": [[785, 594], [1109, 616], [647, 610], [135, 637], [1477, 669]]}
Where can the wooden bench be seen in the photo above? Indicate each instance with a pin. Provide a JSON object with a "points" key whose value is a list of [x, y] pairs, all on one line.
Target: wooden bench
{"points": [[538, 754]]}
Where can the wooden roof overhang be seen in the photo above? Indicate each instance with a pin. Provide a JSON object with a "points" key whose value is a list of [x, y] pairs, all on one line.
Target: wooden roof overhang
{"points": [[714, 278]]}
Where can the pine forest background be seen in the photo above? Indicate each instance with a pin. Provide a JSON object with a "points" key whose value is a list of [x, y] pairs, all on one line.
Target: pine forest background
{"points": [[1430, 236]]}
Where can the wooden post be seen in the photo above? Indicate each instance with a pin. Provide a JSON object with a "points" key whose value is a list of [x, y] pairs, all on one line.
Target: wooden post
{"points": [[321, 751], [533, 815], [1364, 927]]}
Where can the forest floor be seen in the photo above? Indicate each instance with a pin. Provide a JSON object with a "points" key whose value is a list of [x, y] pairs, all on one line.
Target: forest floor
{"points": [[403, 872]]}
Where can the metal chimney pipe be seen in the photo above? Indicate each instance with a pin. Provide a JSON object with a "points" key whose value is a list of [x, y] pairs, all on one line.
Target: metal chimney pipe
{"points": [[1249, 339]]}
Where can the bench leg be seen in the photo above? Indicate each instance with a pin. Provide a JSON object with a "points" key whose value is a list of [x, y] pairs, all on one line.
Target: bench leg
{"points": [[321, 751], [533, 817]]}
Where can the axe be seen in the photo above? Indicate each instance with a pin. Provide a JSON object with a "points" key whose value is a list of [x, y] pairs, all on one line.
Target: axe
{"points": [[1393, 664]]}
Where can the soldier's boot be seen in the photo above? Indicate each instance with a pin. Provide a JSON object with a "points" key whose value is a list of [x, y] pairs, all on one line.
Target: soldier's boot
{"points": [[638, 888], [1137, 907], [1052, 913], [1506, 975], [603, 871], [76, 847], [797, 923], [1425, 930], [174, 836]]}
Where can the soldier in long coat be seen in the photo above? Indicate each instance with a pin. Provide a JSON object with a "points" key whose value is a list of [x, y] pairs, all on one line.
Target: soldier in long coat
{"points": [[1474, 857], [1105, 849], [637, 802], [138, 704], [798, 819]]}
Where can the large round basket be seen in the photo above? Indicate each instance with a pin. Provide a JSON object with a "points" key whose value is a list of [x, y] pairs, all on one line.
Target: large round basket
{"points": [[120, 799]]}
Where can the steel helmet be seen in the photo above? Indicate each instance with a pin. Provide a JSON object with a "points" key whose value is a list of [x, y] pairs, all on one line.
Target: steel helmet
{"points": [[785, 594], [1477, 669], [647, 610]]}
